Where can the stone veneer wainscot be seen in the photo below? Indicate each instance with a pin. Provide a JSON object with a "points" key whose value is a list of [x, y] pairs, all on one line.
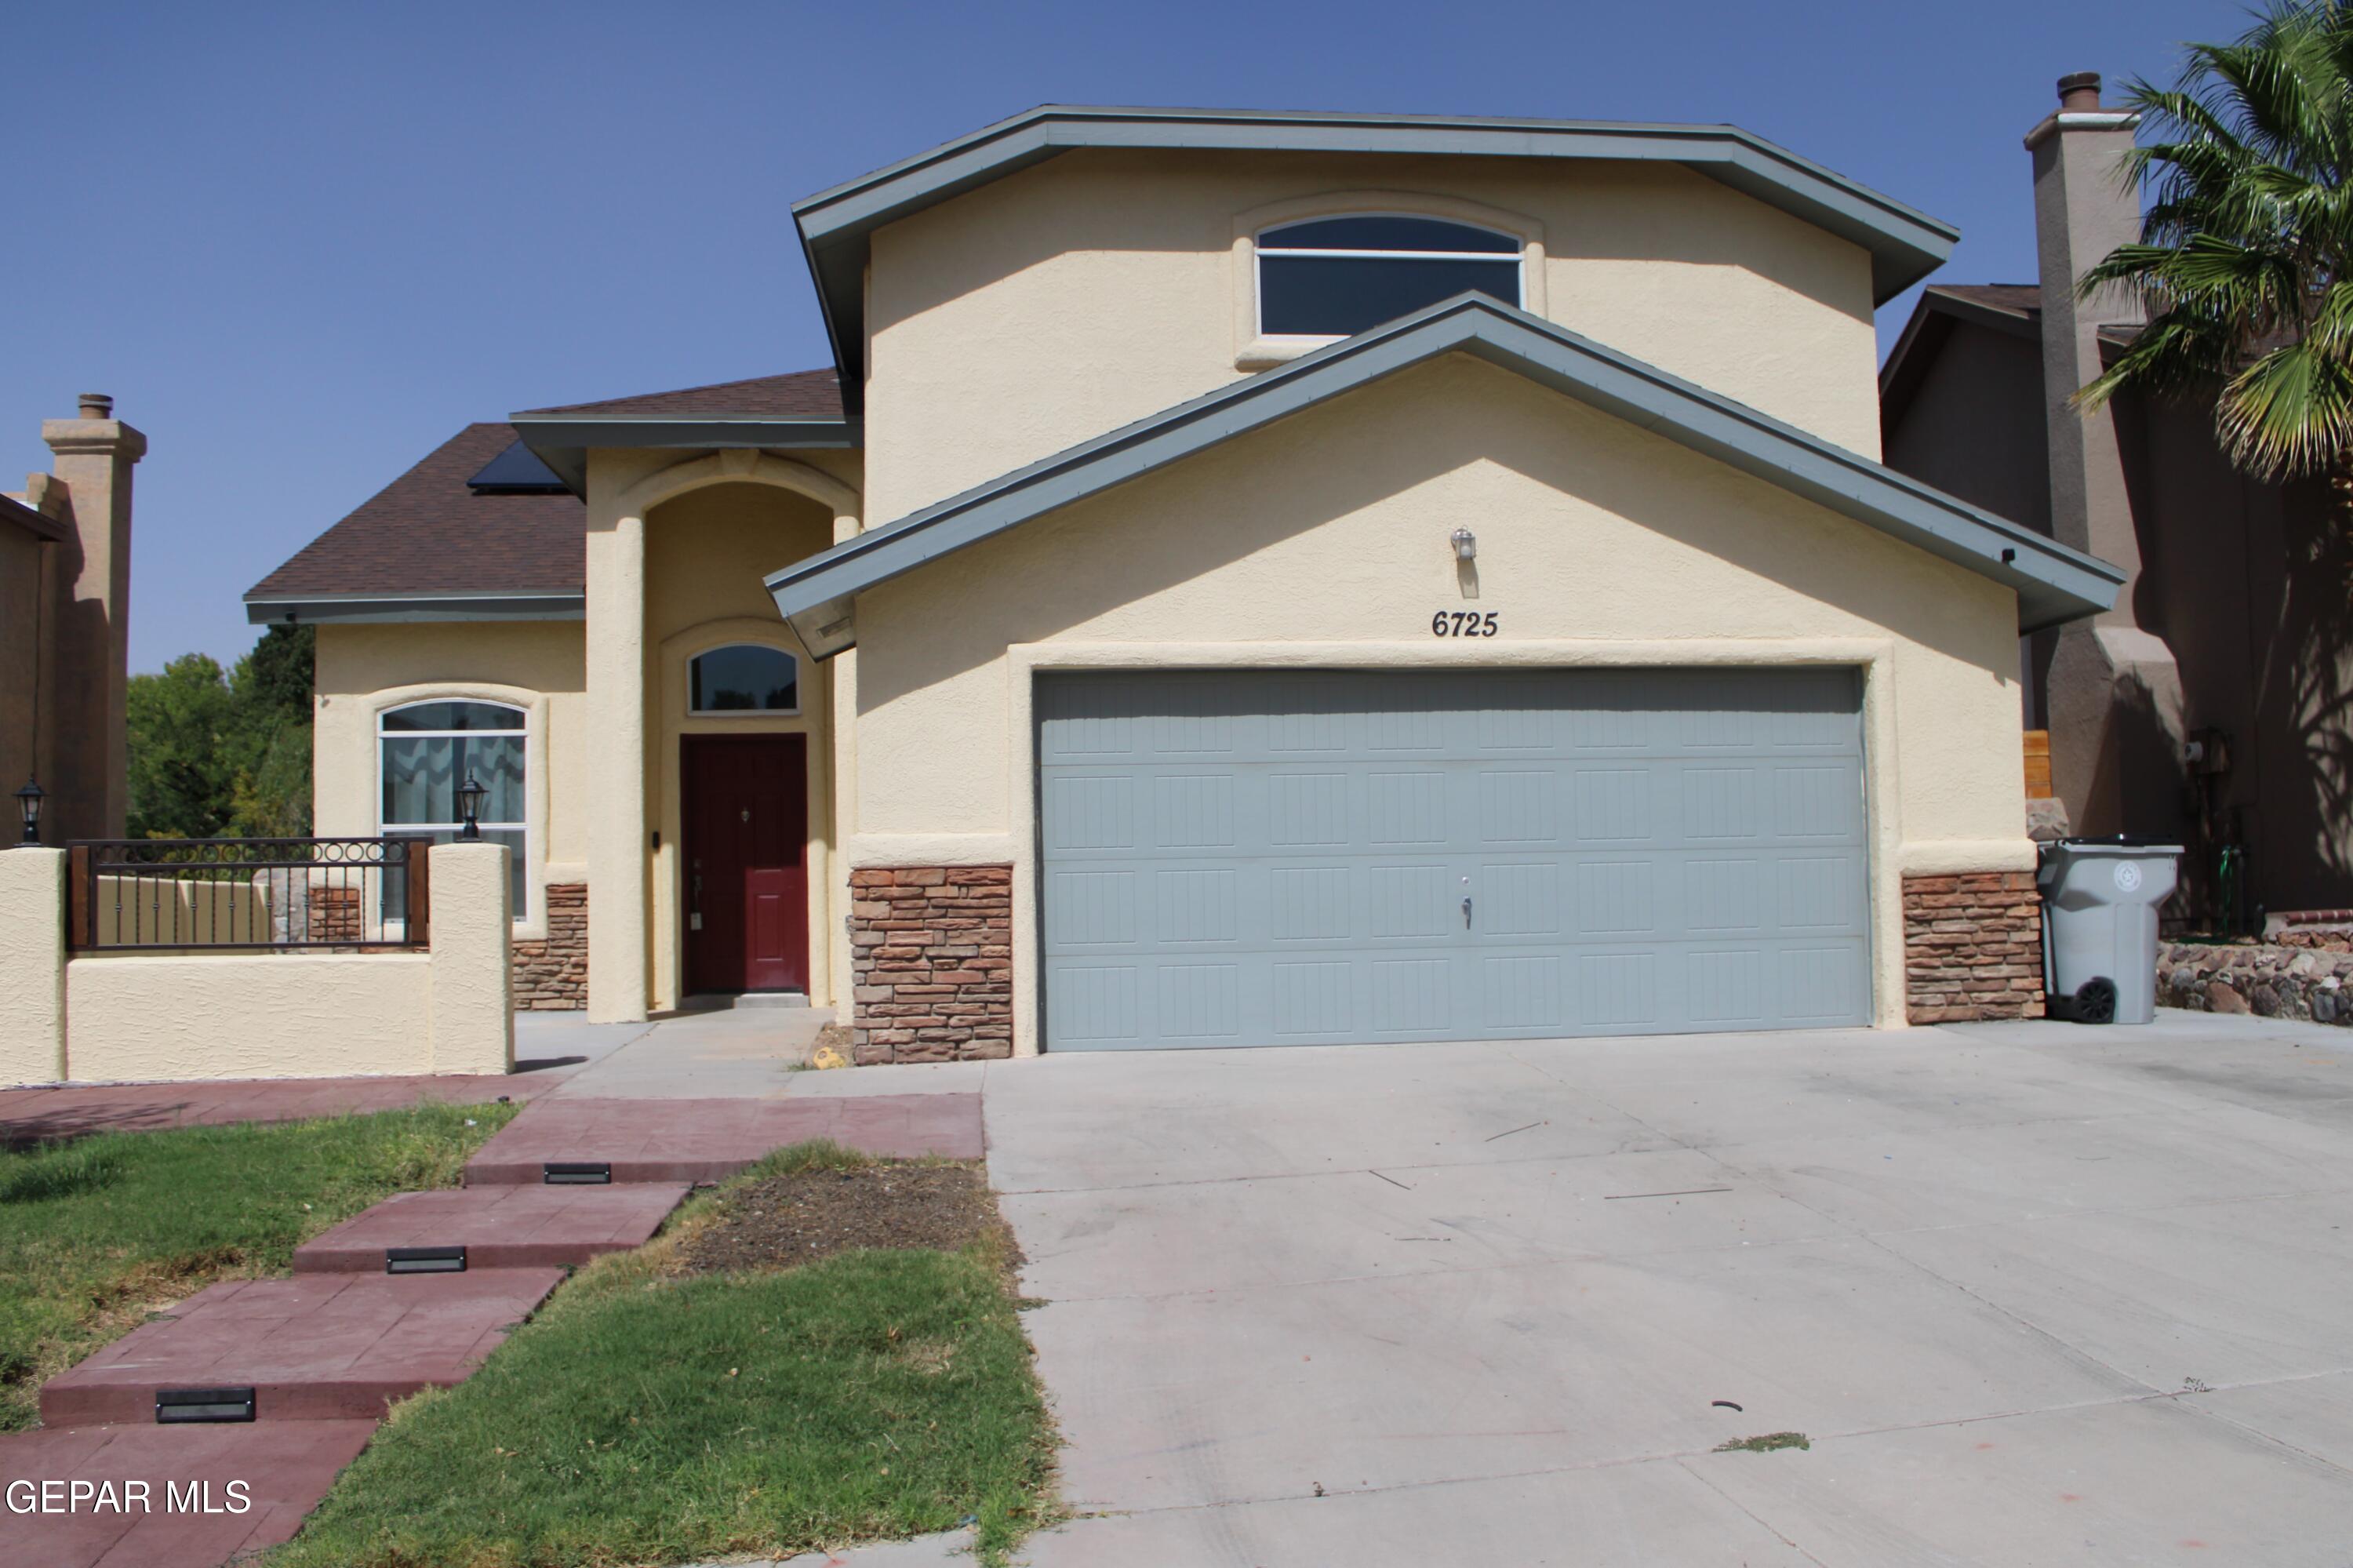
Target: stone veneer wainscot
{"points": [[1972, 947], [551, 972], [931, 963]]}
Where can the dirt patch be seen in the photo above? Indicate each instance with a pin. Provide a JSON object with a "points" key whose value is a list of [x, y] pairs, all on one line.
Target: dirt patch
{"points": [[783, 1221]]}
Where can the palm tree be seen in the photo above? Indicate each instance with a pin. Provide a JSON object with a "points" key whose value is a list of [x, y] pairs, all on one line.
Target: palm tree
{"points": [[2245, 261]]}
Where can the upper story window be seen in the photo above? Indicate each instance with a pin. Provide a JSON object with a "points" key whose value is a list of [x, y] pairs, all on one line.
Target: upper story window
{"points": [[744, 677], [426, 750], [1332, 277]]}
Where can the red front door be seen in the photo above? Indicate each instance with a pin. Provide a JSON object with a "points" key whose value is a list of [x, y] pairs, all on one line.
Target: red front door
{"points": [[745, 811]]}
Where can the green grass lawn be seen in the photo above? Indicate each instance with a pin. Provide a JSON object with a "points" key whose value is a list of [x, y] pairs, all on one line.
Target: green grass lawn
{"points": [[96, 1233], [647, 1415]]}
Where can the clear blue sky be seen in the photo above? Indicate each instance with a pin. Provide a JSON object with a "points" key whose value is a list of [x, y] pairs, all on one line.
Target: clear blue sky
{"points": [[301, 245]]}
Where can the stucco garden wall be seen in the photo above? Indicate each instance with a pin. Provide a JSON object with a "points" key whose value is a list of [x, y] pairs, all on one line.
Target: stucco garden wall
{"points": [[1323, 541], [179, 1014], [1104, 285]]}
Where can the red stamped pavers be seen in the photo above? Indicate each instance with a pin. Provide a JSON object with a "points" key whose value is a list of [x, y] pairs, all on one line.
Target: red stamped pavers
{"points": [[707, 1141], [163, 1497], [499, 1226], [317, 1346]]}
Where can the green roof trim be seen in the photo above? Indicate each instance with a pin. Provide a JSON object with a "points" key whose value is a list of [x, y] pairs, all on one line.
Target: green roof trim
{"points": [[1905, 244], [2053, 583]]}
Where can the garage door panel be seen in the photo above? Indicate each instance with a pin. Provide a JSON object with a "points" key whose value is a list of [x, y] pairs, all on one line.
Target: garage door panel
{"points": [[1246, 857]]}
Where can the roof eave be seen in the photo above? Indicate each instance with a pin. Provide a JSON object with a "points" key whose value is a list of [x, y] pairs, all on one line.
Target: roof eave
{"points": [[34, 521], [1905, 245], [262, 609], [2053, 583], [563, 444]]}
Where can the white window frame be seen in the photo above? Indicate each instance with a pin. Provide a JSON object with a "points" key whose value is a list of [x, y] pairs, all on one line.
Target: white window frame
{"points": [[1518, 257], [521, 730], [799, 670]]}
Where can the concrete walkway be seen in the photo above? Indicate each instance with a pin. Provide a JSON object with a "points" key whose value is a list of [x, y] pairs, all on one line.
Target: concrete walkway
{"points": [[2035, 1294]]}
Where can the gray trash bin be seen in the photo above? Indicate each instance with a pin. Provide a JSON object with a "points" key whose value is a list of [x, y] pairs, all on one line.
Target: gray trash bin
{"points": [[2100, 898]]}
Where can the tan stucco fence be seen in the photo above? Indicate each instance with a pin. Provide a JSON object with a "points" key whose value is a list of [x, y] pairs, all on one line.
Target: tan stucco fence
{"points": [[164, 1015]]}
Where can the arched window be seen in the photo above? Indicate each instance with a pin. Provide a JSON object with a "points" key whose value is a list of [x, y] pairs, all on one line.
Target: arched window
{"points": [[424, 750], [744, 678], [1332, 276]]}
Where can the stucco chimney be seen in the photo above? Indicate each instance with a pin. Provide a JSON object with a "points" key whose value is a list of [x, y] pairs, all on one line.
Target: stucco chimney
{"points": [[91, 640], [2084, 208], [2113, 692]]}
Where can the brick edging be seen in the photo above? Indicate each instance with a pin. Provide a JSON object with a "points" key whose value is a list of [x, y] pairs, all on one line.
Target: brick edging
{"points": [[1972, 947], [931, 961]]}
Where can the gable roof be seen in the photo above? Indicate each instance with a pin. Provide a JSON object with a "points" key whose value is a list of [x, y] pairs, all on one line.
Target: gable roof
{"points": [[2014, 310], [38, 524], [427, 547], [796, 395], [802, 408], [1905, 245], [2053, 583]]}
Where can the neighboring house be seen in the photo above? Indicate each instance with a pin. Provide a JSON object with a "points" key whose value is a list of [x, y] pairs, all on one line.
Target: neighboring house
{"points": [[1247, 578], [2209, 706], [64, 620]]}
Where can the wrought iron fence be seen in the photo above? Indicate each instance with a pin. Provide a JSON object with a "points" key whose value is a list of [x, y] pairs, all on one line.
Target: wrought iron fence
{"points": [[251, 893]]}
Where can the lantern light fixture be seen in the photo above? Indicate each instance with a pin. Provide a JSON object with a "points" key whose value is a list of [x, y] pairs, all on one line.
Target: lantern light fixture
{"points": [[469, 807], [29, 802], [1466, 544]]}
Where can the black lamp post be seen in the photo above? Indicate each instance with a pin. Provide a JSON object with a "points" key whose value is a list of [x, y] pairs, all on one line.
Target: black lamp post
{"points": [[469, 806], [28, 801]]}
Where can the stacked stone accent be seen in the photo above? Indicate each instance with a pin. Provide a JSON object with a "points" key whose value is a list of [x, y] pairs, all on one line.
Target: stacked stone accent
{"points": [[335, 914], [550, 973], [2273, 981], [1972, 947], [931, 963]]}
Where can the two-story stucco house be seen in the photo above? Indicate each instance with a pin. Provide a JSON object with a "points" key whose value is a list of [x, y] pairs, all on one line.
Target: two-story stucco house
{"points": [[1247, 578]]}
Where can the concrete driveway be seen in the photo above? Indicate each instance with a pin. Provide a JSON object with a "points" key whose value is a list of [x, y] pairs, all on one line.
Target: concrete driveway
{"points": [[2036, 1294]]}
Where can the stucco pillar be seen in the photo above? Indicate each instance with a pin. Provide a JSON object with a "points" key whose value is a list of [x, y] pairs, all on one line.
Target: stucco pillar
{"points": [[32, 966], [473, 971], [2113, 692], [89, 790], [618, 847]]}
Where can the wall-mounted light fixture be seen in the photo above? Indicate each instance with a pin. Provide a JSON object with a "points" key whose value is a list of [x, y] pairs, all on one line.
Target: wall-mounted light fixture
{"points": [[28, 802], [469, 806], [1466, 544]]}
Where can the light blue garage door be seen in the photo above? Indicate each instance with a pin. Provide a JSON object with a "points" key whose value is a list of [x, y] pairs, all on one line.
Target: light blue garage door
{"points": [[1276, 858]]}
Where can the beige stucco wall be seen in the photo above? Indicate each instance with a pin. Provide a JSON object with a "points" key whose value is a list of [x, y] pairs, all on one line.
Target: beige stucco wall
{"points": [[32, 964], [645, 525], [706, 552], [1103, 286], [170, 1015], [141, 1018], [538, 667], [1323, 541]]}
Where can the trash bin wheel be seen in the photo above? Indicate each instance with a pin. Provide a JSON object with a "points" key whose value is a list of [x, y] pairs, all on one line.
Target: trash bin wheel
{"points": [[2094, 1002]]}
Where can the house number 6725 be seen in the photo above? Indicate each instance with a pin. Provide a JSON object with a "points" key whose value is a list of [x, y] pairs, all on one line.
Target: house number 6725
{"points": [[1462, 623]]}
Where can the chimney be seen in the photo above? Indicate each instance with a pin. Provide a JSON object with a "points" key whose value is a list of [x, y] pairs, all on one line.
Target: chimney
{"points": [[2111, 690], [2083, 210], [90, 642]]}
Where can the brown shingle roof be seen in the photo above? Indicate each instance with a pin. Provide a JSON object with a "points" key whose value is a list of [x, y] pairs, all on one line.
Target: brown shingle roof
{"points": [[427, 533], [2017, 299], [802, 395]]}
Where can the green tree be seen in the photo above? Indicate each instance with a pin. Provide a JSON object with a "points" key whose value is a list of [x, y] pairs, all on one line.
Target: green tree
{"points": [[180, 723], [270, 690], [2244, 259], [217, 756]]}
